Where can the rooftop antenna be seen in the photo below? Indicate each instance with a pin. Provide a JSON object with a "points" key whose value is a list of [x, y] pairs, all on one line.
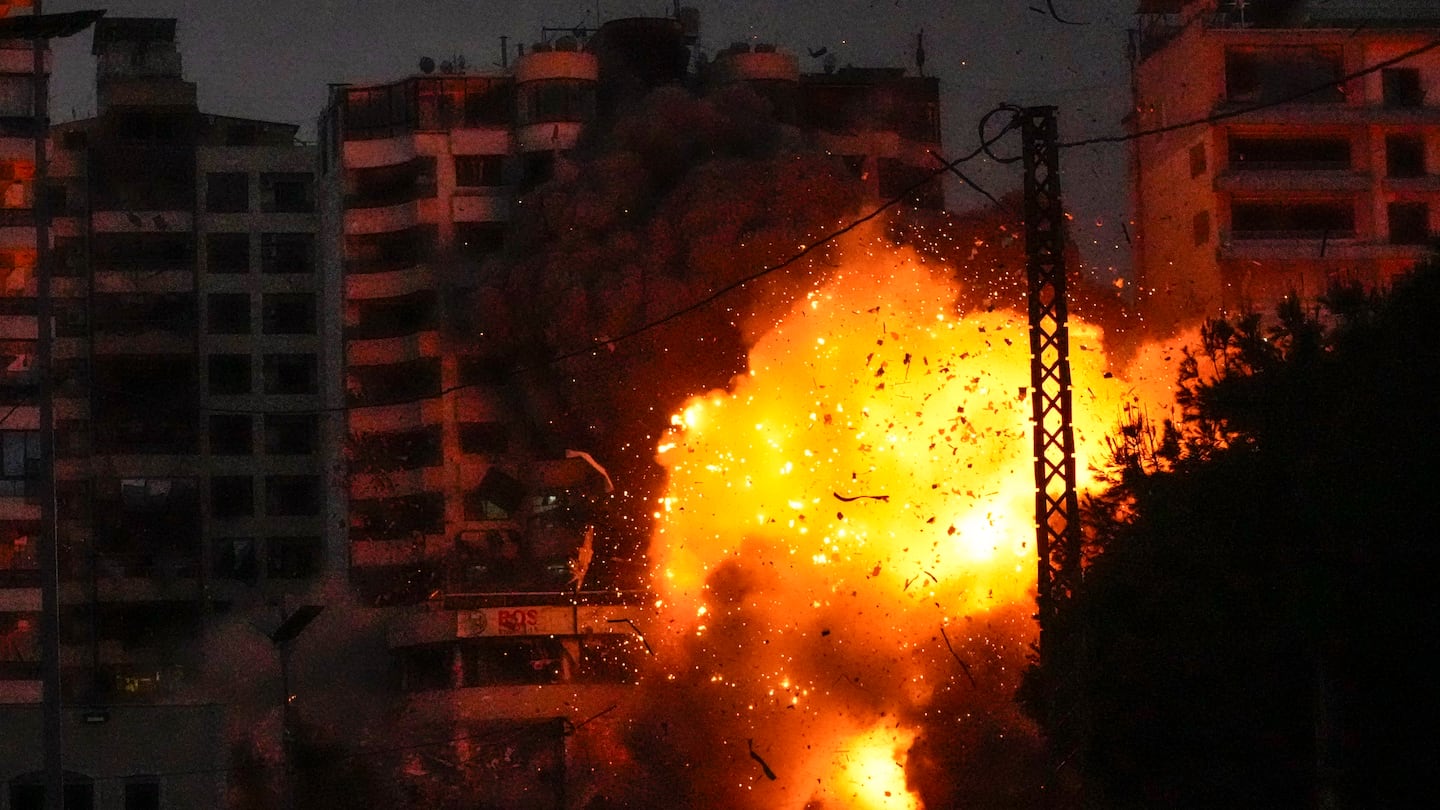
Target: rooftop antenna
{"points": [[920, 52], [504, 51]]}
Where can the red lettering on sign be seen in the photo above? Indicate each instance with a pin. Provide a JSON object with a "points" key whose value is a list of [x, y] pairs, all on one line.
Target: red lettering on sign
{"points": [[518, 621]]}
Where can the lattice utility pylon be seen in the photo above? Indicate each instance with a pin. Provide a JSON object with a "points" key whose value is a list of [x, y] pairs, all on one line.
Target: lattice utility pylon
{"points": [[1057, 506]]}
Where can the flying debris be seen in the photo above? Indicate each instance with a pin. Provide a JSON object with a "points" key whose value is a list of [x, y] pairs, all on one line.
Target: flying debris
{"points": [[769, 774]]}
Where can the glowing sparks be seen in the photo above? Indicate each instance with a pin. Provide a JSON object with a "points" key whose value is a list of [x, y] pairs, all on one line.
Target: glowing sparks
{"points": [[869, 481]]}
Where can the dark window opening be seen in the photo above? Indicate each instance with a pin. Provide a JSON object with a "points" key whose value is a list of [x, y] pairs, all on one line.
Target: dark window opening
{"points": [[390, 185], [227, 192], [478, 171], [405, 450], [1404, 155], [400, 518], [484, 438], [377, 318], [287, 253], [227, 313], [393, 250], [232, 496], [511, 661], [19, 462], [1197, 160], [227, 252], [1259, 153], [291, 434], [142, 313], [1200, 228], [1293, 220], [125, 252], [288, 313], [145, 404], [145, 526], [555, 100], [1409, 223], [287, 192], [142, 796], [292, 495], [229, 374], [1401, 87], [394, 382], [476, 240], [1303, 74], [235, 558], [231, 434], [539, 167], [290, 373], [292, 557]]}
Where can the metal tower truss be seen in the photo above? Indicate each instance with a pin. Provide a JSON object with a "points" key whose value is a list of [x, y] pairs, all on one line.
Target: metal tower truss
{"points": [[1057, 506]]}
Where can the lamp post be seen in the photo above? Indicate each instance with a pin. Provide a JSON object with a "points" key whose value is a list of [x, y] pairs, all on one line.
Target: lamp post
{"points": [[281, 638], [40, 28]]}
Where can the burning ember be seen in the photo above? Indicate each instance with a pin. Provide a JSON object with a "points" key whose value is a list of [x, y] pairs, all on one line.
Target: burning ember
{"points": [[844, 555]]}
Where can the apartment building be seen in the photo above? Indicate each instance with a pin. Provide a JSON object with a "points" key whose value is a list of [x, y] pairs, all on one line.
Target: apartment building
{"points": [[189, 350], [1299, 175], [462, 516]]}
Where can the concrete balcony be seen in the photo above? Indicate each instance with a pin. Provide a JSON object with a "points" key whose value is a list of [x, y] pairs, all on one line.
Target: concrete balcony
{"points": [[521, 617], [481, 207], [380, 151]]}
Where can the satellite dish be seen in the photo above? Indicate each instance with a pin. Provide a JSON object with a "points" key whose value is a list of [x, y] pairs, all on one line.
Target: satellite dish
{"points": [[427, 65], [446, 67]]}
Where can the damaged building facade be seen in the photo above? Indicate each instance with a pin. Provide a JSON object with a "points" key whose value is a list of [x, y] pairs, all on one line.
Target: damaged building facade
{"points": [[1300, 176], [508, 628]]}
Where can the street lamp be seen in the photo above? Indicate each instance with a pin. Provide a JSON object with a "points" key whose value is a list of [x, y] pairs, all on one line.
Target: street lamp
{"points": [[281, 638]]}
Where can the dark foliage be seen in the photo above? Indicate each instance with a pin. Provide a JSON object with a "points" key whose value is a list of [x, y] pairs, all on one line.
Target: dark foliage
{"points": [[1257, 622]]}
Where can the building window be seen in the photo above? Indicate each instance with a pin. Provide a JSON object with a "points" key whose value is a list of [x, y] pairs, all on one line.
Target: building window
{"points": [[555, 100], [1197, 159], [375, 318], [227, 252], [289, 373], [288, 314], [484, 438], [287, 192], [476, 240], [388, 384], [19, 462], [1400, 87], [235, 558], [405, 450], [291, 434], [292, 557], [142, 795], [227, 313], [1329, 153], [287, 253], [474, 171], [1200, 228], [292, 495], [381, 186], [229, 374], [227, 192], [1317, 219], [231, 434], [1409, 223], [232, 496], [1303, 74], [1405, 155], [393, 250]]}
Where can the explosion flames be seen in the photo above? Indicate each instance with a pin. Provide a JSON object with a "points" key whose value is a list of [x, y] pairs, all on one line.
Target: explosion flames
{"points": [[843, 557]]}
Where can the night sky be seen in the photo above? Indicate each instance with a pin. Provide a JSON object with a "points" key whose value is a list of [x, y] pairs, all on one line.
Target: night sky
{"points": [[272, 59]]}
